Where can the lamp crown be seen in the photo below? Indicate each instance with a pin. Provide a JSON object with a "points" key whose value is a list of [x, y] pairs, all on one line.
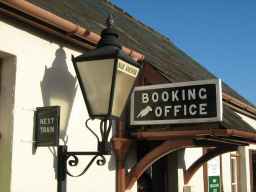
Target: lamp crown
{"points": [[109, 35]]}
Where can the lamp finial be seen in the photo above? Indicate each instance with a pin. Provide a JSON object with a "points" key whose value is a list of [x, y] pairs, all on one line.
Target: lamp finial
{"points": [[110, 21]]}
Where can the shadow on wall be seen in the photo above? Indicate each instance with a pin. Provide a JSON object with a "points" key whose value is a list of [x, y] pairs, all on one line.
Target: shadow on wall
{"points": [[59, 88]]}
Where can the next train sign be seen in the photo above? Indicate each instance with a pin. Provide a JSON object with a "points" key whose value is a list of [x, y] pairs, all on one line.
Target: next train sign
{"points": [[185, 102]]}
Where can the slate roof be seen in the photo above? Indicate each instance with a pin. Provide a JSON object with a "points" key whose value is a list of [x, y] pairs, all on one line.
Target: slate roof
{"points": [[160, 52], [233, 121]]}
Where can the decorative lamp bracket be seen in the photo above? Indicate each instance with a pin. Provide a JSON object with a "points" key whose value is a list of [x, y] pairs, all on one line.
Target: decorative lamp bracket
{"points": [[104, 148]]}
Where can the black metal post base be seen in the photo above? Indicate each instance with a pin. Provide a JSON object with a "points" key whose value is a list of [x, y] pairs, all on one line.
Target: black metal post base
{"points": [[61, 177]]}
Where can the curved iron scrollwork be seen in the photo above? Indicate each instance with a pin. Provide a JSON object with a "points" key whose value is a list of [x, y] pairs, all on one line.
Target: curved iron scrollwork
{"points": [[86, 124], [75, 162], [104, 148]]}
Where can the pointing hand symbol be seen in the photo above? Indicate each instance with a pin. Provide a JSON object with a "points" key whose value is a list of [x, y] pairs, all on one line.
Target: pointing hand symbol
{"points": [[144, 112]]}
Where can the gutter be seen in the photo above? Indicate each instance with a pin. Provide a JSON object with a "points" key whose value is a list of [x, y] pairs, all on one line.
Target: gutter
{"points": [[55, 25], [237, 102], [193, 134], [239, 106]]}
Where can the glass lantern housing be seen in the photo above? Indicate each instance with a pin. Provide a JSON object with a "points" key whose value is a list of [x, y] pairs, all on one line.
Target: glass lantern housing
{"points": [[106, 76]]}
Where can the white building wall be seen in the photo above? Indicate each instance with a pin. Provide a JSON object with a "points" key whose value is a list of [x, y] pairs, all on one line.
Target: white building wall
{"points": [[226, 172], [244, 165], [37, 55], [197, 181]]}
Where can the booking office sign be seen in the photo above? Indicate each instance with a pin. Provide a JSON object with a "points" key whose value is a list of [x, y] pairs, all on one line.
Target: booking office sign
{"points": [[173, 103]]}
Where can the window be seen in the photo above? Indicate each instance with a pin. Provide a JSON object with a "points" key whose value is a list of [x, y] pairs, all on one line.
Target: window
{"points": [[234, 165], [253, 169]]}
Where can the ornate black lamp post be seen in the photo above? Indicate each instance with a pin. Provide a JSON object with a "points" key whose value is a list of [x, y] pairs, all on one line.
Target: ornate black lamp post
{"points": [[106, 77]]}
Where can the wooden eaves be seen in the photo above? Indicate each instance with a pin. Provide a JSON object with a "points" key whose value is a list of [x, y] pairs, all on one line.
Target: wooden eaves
{"points": [[223, 141]]}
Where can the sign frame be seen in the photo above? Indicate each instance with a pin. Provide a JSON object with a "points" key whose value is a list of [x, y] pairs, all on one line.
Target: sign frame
{"points": [[219, 109], [47, 126]]}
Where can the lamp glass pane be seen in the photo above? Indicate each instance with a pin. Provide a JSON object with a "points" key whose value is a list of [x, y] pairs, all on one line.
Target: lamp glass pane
{"points": [[96, 77], [125, 77]]}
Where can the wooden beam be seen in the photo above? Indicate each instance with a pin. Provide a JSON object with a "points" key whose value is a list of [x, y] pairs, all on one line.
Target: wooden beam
{"points": [[152, 76], [151, 157], [203, 159]]}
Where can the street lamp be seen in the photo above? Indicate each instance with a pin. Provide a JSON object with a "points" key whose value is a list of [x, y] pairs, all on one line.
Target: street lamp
{"points": [[106, 77]]}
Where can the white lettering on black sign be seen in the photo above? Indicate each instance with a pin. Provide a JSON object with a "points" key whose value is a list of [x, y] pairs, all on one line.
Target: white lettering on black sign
{"points": [[45, 122], [47, 126], [190, 95], [176, 104]]}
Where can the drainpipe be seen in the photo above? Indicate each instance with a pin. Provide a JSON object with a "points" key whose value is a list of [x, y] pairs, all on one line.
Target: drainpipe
{"points": [[122, 147], [70, 28]]}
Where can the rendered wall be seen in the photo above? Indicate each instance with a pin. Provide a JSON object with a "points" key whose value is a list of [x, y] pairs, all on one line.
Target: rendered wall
{"points": [[226, 172], [244, 163], [196, 183], [40, 73], [190, 156]]}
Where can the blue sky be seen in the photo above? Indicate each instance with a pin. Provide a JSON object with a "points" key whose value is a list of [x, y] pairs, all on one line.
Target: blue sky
{"points": [[219, 34]]}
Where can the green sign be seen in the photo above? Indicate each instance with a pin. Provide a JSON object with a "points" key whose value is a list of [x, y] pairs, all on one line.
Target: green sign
{"points": [[214, 174], [214, 183]]}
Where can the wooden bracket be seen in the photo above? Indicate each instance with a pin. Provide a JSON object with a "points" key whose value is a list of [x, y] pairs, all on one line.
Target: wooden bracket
{"points": [[151, 157], [203, 159]]}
